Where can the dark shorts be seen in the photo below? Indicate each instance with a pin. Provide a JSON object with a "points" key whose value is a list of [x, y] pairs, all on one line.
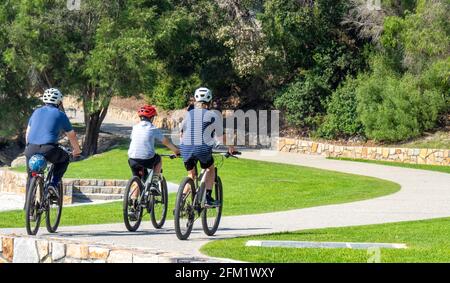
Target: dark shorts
{"points": [[192, 162], [136, 165]]}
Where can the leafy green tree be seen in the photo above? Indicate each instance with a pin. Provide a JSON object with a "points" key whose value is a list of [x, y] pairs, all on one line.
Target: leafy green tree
{"points": [[103, 50], [15, 101]]}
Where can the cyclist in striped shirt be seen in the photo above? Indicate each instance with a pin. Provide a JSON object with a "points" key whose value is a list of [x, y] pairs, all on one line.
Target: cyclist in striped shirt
{"points": [[198, 137]]}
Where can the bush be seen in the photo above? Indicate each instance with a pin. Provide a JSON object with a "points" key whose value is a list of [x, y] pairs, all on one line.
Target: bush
{"points": [[394, 108], [301, 102], [342, 116]]}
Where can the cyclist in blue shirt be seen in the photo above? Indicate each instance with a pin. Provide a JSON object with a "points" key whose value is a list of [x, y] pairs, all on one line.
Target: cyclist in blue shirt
{"points": [[44, 127], [197, 141]]}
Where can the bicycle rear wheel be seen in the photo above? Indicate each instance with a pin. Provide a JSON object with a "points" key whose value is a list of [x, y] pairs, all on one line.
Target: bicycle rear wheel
{"points": [[211, 215], [54, 211], [184, 209], [132, 210], [33, 205], [158, 206]]}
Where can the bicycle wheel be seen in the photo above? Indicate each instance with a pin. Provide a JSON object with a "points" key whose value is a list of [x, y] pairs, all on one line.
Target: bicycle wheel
{"points": [[184, 209], [33, 205], [54, 211], [132, 210], [211, 214], [158, 206]]}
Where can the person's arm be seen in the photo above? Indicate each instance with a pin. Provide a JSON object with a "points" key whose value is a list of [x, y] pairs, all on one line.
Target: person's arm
{"points": [[165, 141], [26, 134], [220, 140], [68, 129], [74, 143]]}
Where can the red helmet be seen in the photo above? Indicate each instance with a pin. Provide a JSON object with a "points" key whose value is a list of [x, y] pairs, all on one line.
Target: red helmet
{"points": [[147, 111]]}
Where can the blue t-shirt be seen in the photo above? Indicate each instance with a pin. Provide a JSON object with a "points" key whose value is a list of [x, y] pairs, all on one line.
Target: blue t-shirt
{"points": [[199, 126], [46, 123]]}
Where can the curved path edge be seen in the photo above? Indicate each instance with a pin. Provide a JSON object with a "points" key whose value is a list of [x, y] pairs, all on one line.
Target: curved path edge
{"points": [[423, 195]]}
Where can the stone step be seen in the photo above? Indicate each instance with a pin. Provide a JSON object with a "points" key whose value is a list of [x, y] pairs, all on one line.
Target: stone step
{"points": [[99, 190], [77, 197]]}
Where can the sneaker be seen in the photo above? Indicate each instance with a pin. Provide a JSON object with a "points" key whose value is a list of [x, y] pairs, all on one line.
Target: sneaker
{"points": [[210, 200], [154, 190], [53, 193], [132, 214]]}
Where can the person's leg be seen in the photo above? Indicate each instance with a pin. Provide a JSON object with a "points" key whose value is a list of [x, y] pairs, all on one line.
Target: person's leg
{"points": [[210, 173], [135, 168], [59, 158], [190, 166], [210, 176]]}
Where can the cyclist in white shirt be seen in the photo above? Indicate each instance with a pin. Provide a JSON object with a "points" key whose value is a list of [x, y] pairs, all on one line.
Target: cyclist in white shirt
{"points": [[141, 153]]}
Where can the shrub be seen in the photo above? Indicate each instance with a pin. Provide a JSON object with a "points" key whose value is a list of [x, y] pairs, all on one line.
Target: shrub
{"points": [[394, 108], [342, 116], [301, 102]]}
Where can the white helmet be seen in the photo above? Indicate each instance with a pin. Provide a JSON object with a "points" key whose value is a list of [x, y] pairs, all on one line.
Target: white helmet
{"points": [[203, 95], [52, 96]]}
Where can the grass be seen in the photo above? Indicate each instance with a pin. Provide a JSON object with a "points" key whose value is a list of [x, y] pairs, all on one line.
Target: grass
{"points": [[438, 168], [249, 187], [439, 139], [427, 241]]}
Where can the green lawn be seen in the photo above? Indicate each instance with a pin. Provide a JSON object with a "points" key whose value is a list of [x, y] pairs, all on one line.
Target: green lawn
{"points": [[439, 168], [249, 187], [427, 241]]}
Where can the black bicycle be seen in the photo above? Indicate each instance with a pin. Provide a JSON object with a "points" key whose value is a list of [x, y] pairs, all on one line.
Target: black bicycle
{"points": [[141, 194], [191, 203], [40, 201]]}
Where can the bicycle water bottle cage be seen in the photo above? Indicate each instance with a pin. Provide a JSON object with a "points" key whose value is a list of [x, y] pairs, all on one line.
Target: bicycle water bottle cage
{"points": [[37, 163]]}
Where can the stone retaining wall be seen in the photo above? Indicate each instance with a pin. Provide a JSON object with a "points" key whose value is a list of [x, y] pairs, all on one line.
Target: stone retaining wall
{"points": [[406, 155], [15, 182], [25, 249]]}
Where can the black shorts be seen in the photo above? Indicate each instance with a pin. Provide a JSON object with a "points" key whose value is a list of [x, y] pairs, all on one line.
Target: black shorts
{"points": [[136, 165], [192, 162]]}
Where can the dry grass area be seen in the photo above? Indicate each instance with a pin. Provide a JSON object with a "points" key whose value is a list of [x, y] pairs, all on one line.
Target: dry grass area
{"points": [[131, 103]]}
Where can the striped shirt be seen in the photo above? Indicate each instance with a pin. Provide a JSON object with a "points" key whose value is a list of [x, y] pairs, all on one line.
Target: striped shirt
{"points": [[143, 138], [198, 128]]}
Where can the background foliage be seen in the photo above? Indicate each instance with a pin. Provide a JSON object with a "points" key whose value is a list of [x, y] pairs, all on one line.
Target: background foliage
{"points": [[336, 69]]}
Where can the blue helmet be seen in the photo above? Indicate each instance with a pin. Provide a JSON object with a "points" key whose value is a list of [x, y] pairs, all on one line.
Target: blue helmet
{"points": [[37, 163]]}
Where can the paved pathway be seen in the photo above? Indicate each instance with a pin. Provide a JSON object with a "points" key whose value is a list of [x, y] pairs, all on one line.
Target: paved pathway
{"points": [[424, 195], [10, 201]]}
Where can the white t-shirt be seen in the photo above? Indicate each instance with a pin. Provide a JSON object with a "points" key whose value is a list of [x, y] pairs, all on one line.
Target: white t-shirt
{"points": [[143, 138]]}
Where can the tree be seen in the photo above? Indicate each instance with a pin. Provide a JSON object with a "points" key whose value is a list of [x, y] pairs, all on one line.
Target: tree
{"points": [[15, 101], [407, 90], [103, 50]]}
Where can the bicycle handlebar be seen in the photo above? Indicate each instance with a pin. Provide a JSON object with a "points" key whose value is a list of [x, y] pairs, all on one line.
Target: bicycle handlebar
{"points": [[171, 156], [226, 154]]}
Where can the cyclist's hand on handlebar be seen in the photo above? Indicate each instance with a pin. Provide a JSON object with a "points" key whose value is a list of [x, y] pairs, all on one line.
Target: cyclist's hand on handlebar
{"points": [[231, 150], [177, 152]]}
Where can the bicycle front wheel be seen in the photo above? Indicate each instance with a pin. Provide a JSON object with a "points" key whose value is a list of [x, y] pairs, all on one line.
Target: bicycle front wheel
{"points": [[158, 206], [211, 214], [184, 209], [132, 209], [33, 205], [54, 211]]}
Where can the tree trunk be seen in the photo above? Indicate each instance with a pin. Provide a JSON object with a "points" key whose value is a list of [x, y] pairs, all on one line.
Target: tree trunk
{"points": [[93, 121]]}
